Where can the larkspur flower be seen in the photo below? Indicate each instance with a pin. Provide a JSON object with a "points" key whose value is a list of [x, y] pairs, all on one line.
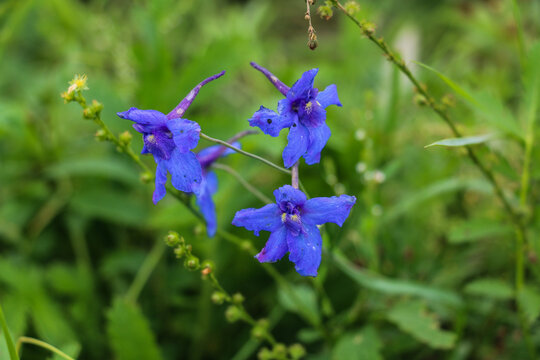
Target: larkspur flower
{"points": [[292, 223], [169, 138], [209, 184], [303, 112]]}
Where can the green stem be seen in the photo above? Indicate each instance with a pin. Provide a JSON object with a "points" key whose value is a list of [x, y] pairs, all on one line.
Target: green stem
{"points": [[520, 33], [145, 271], [9, 341], [29, 340], [437, 108], [267, 162], [252, 189]]}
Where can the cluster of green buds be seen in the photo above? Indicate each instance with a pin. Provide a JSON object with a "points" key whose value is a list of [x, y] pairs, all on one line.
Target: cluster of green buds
{"points": [[183, 250], [281, 352]]}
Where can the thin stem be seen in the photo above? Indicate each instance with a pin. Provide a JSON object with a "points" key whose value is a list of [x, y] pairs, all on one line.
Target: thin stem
{"points": [[145, 271], [520, 33], [252, 189], [294, 176], [9, 341], [43, 344], [267, 162], [437, 108]]}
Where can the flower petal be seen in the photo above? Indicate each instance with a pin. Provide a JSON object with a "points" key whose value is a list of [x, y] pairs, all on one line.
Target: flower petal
{"points": [[329, 96], [270, 122], [298, 140], [287, 193], [210, 154], [318, 211], [147, 120], [267, 218], [303, 86], [206, 204], [305, 250], [273, 79], [186, 172], [276, 246], [161, 180], [185, 133], [318, 137], [181, 108]]}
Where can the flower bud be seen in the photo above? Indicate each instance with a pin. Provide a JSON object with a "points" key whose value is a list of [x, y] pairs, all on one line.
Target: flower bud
{"points": [[207, 266], [265, 354], [88, 113], [172, 239], [233, 313], [101, 135], [96, 106], [246, 245], [307, 17], [179, 252], [191, 263], [297, 351], [125, 138], [279, 351], [218, 297], [238, 299], [146, 177], [258, 332], [312, 43], [420, 100], [352, 7], [67, 96]]}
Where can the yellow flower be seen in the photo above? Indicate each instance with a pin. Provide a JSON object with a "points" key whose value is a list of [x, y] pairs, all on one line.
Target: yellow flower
{"points": [[77, 84]]}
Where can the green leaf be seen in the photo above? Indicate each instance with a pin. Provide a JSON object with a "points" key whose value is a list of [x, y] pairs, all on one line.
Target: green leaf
{"points": [[375, 282], [129, 333], [462, 141], [360, 345], [300, 299], [529, 300], [7, 337], [412, 318], [107, 168], [477, 229], [491, 288]]}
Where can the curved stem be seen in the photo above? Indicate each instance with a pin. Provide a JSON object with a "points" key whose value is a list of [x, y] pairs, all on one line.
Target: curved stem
{"points": [[294, 175], [267, 162], [252, 189], [145, 271], [43, 344]]}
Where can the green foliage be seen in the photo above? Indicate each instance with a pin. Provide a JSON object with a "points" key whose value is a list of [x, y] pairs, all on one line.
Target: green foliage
{"points": [[490, 288], [462, 141], [413, 318], [129, 333], [360, 345]]}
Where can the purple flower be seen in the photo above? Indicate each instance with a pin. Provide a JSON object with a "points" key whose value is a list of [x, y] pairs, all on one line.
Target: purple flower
{"points": [[303, 112], [170, 139], [292, 223], [209, 184]]}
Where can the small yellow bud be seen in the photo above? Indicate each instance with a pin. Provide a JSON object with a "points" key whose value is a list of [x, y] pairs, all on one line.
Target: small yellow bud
{"points": [[125, 137], [233, 313], [146, 177], [172, 239], [101, 135], [237, 299]]}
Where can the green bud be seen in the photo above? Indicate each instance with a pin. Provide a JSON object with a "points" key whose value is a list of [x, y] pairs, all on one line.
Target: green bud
{"points": [[101, 135], [179, 252], [237, 299], [67, 96], [88, 113], [265, 354], [325, 11], [192, 263], [233, 313], [420, 100], [280, 351], [297, 351], [172, 239], [218, 297], [246, 246], [352, 7], [96, 107], [258, 332], [448, 100], [146, 177], [189, 247], [125, 138]]}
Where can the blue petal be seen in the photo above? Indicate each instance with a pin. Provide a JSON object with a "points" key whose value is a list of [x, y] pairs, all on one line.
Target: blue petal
{"points": [[267, 218], [318, 137], [146, 119], [305, 250], [210, 154], [318, 211], [161, 179], [298, 140], [206, 204], [186, 172], [287, 194], [329, 96], [181, 108], [302, 87], [185, 133], [270, 122], [312, 114], [276, 246]]}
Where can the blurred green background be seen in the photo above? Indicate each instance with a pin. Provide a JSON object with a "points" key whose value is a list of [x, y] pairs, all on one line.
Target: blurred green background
{"points": [[76, 223]]}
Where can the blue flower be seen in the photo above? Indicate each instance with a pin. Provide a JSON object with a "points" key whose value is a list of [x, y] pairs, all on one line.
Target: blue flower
{"points": [[170, 139], [303, 112], [292, 223], [209, 184]]}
